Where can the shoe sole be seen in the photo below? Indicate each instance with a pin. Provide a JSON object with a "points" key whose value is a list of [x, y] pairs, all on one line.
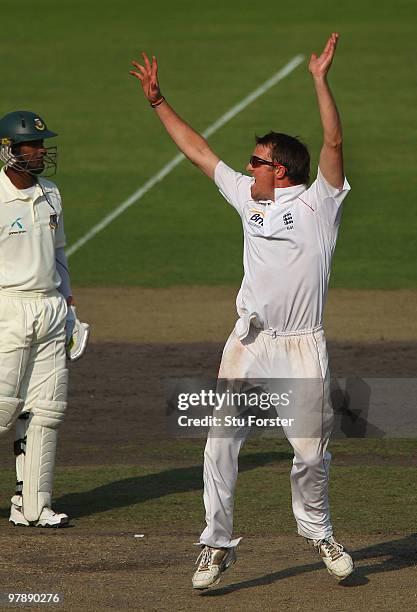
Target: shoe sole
{"points": [[62, 523], [210, 586]]}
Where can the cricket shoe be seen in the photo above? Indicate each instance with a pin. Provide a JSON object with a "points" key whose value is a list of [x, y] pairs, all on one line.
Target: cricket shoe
{"points": [[212, 562], [338, 562], [48, 518]]}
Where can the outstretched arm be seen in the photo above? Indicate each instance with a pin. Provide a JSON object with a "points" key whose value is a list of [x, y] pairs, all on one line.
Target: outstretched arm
{"points": [[193, 145], [331, 155]]}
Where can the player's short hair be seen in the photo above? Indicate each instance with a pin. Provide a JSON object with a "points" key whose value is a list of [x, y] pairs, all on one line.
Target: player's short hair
{"points": [[291, 153]]}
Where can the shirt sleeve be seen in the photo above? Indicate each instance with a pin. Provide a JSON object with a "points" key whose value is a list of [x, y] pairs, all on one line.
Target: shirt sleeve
{"points": [[326, 200], [234, 186]]}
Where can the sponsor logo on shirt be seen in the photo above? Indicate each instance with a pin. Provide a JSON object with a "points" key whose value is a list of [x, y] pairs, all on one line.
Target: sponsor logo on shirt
{"points": [[17, 227], [257, 217], [288, 221]]}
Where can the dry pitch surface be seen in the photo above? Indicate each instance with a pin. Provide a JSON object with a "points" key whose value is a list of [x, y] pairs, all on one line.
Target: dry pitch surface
{"points": [[139, 337]]}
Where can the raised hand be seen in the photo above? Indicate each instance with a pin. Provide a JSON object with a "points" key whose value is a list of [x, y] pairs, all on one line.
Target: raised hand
{"points": [[148, 76], [319, 66]]}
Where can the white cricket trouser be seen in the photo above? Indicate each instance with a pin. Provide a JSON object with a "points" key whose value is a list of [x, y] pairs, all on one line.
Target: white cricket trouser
{"points": [[32, 341], [32, 349], [267, 355]]}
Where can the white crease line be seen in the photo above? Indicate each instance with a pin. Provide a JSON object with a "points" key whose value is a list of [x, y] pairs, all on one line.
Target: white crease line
{"points": [[278, 76]]}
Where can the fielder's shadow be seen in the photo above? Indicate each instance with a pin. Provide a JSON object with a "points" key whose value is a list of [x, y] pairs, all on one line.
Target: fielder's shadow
{"points": [[395, 554], [139, 489]]}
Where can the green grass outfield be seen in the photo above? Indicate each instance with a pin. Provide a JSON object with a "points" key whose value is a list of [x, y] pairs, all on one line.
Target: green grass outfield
{"points": [[69, 61], [372, 489]]}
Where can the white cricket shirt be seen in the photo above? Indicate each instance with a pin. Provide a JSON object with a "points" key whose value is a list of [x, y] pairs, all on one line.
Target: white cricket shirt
{"points": [[287, 252], [30, 231]]}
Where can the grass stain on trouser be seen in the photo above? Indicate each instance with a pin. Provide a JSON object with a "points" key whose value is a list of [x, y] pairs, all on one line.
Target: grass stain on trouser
{"points": [[301, 359]]}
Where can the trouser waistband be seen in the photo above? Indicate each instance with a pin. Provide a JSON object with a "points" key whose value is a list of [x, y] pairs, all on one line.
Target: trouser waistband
{"points": [[300, 332], [28, 295]]}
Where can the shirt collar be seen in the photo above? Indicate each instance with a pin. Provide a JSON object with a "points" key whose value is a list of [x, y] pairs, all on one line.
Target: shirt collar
{"points": [[9, 192], [286, 194]]}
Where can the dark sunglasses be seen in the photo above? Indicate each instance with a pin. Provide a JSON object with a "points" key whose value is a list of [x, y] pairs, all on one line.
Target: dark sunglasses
{"points": [[255, 162]]}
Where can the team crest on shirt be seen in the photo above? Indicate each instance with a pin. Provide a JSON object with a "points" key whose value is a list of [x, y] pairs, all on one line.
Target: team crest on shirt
{"points": [[288, 221], [53, 221], [257, 217]]}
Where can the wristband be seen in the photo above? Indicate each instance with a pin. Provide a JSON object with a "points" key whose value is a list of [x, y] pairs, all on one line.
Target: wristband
{"points": [[157, 102]]}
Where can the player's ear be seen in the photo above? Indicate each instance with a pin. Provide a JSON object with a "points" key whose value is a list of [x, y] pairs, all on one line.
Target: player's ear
{"points": [[280, 172]]}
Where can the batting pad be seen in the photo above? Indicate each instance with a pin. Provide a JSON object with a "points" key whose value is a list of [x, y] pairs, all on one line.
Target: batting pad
{"points": [[42, 435], [10, 408]]}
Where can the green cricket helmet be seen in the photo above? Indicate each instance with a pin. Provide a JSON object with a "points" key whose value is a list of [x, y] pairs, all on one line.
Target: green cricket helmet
{"points": [[24, 126]]}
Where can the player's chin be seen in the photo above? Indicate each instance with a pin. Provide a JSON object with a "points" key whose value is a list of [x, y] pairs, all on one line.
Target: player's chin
{"points": [[256, 195]]}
